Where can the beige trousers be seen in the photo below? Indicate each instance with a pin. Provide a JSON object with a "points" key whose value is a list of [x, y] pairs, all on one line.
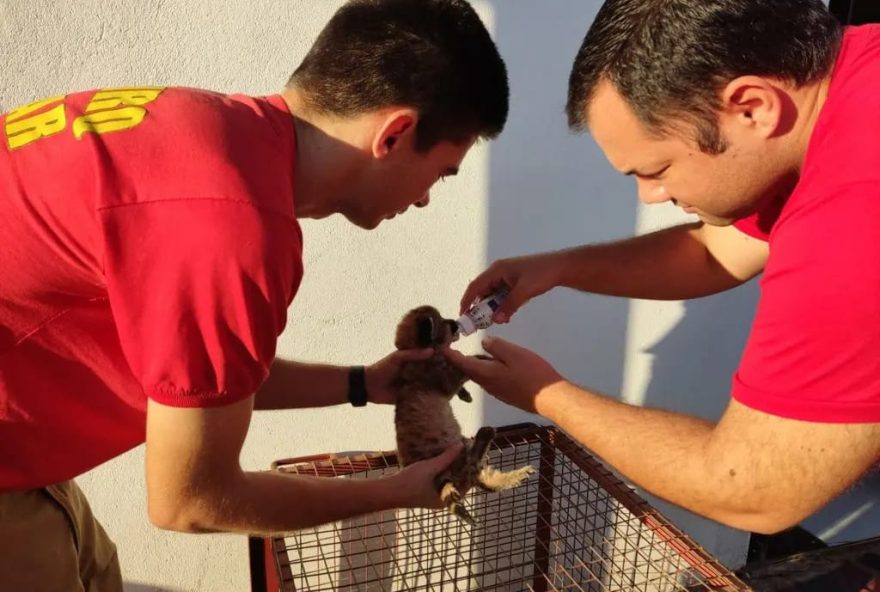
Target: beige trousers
{"points": [[51, 542]]}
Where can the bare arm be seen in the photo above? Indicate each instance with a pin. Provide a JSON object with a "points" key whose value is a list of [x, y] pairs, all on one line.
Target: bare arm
{"points": [[751, 470], [677, 263], [195, 482], [681, 262], [297, 385]]}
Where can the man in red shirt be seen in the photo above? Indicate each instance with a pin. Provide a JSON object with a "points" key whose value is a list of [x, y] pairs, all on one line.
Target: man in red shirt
{"points": [[762, 117], [149, 248]]}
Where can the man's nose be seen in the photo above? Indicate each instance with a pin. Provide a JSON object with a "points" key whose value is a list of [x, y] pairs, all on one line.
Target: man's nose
{"points": [[652, 193]]}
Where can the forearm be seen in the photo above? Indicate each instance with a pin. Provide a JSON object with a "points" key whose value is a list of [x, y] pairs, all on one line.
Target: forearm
{"points": [[294, 385], [670, 264], [669, 454], [263, 503]]}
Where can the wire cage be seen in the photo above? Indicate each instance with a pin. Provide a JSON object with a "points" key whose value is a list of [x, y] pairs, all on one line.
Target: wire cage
{"points": [[573, 526]]}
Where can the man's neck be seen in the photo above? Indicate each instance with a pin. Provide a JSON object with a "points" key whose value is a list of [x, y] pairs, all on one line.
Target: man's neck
{"points": [[808, 101], [323, 163]]}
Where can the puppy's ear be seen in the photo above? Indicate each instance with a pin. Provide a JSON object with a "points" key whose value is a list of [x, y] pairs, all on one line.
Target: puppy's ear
{"points": [[425, 332]]}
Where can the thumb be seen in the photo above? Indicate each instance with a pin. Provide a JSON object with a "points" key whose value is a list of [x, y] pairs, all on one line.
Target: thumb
{"points": [[407, 355], [478, 288], [472, 367], [440, 462], [500, 349]]}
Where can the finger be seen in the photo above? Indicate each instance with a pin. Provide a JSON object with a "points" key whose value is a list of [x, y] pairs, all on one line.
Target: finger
{"points": [[474, 368], [510, 305], [501, 349], [457, 359], [445, 458], [407, 355], [479, 288]]}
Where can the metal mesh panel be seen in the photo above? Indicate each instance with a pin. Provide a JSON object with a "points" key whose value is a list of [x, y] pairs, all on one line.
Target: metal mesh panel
{"points": [[573, 526]]}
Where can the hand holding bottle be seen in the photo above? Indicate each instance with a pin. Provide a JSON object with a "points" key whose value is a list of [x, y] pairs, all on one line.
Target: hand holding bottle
{"points": [[479, 316], [523, 278]]}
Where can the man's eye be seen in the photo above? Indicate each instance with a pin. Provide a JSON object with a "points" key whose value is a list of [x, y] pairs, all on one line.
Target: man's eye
{"points": [[656, 175]]}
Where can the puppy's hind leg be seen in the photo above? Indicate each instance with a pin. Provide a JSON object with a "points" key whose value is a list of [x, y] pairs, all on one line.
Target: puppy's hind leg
{"points": [[480, 445], [451, 498], [491, 479]]}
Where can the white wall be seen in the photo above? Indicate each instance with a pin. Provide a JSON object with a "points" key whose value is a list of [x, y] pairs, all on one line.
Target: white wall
{"points": [[537, 187]]}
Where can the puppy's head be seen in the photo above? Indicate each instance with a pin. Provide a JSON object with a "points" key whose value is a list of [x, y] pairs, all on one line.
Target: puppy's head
{"points": [[424, 327]]}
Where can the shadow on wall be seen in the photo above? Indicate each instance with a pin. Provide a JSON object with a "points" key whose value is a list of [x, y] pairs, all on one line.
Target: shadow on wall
{"points": [[551, 189], [695, 361]]}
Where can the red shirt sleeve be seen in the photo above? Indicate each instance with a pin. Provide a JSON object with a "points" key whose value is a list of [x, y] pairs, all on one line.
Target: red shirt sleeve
{"points": [[814, 350], [199, 290]]}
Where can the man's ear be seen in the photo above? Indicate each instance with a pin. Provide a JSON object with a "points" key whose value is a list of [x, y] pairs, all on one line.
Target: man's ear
{"points": [[397, 126], [756, 103]]}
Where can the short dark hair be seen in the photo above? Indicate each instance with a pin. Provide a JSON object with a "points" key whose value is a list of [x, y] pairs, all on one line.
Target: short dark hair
{"points": [[670, 59], [433, 55]]}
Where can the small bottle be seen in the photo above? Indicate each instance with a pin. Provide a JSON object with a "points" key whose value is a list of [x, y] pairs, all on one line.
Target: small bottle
{"points": [[479, 316]]}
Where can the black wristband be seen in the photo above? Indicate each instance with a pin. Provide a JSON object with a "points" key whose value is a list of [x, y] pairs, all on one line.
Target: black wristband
{"points": [[357, 386]]}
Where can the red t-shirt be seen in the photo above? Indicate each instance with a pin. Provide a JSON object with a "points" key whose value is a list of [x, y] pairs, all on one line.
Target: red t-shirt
{"points": [[148, 248], [814, 350]]}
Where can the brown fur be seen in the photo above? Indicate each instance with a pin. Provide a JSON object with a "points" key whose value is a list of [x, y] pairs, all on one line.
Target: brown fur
{"points": [[423, 417]]}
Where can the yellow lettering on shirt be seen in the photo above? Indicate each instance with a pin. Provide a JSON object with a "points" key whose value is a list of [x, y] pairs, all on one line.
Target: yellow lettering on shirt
{"points": [[24, 131], [116, 109], [104, 122], [109, 110], [113, 97], [24, 126], [20, 112]]}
